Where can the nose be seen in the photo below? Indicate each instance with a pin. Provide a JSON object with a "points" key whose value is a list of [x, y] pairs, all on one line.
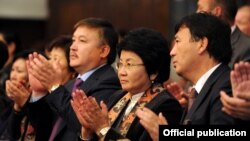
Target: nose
{"points": [[122, 71], [172, 52], [73, 46], [13, 75]]}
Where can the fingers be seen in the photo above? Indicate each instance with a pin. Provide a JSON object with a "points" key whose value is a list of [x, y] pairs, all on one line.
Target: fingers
{"points": [[79, 97], [162, 119], [104, 107], [146, 115], [234, 106], [147, 120], [93, 106], [79, 115], [17, 92], [240, 73]]}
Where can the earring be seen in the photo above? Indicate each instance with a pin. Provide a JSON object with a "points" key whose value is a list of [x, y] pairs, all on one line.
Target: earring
{"points": [[152, 81]]}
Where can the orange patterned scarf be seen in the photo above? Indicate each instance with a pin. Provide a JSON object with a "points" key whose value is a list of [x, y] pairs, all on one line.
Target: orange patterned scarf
{"points": [[127, 121]]}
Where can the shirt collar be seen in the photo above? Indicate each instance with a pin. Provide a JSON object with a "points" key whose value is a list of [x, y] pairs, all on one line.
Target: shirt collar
{"points": [[200, 83], [86, 75], [233, 28], [136, 96]]}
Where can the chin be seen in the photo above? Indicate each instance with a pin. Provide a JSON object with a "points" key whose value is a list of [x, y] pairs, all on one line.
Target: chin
{"points": [[125, 88], [72, 64]]}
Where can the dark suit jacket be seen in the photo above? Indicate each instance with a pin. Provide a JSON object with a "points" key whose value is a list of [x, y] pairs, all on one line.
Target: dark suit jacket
{"points": [[207, 107], [241, 47], [41, 116], [163, 102], [101, 85]]}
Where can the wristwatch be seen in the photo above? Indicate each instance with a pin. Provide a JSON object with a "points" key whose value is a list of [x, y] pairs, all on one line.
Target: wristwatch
{"points": [[103, 132]]}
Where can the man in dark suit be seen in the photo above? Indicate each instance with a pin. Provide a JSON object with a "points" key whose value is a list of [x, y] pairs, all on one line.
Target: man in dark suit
{"points": [[226, 10], [200, 54], [91, 53]]}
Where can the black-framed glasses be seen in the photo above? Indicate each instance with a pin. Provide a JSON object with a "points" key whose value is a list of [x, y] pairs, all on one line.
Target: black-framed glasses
{"points": [[127, 66]]}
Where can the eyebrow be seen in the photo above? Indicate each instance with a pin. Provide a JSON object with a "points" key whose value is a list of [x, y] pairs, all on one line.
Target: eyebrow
{"points": [[127, 60]]}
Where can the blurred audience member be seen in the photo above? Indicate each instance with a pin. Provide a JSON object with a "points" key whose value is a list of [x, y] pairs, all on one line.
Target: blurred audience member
{"points": [[238, 106], [14, 46], [226, 10], [58, 54], [3, 59], [242, 19], [4, 54], [18, 82]]}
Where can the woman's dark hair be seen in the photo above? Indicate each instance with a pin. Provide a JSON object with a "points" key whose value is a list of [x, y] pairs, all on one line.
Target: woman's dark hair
{"points": [[63, 42], [11, 37], [152, 48], [3, 54]]}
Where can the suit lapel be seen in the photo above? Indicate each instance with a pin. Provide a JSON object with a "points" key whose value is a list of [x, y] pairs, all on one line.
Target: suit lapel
{"points": [[206, 88]]}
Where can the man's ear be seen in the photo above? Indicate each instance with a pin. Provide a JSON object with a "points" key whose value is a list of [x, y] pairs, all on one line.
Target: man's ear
{"points": [[203, 45], [104, 51], [217, 11]]}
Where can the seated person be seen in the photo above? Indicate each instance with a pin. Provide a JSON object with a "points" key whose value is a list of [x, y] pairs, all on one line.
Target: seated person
{"points": [[143, 66]]}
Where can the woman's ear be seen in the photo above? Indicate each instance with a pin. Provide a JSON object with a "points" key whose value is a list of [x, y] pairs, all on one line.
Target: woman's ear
{"points": [[152, 77]]}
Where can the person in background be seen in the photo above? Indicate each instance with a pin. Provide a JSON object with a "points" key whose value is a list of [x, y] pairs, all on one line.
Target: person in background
{"points": [[19, 78], [4, 54], [144, 64], [92, 52], [13, 43], [3, 58], [238, 106], [58, 53], [226, 10], [242, 19], [3, 99]]}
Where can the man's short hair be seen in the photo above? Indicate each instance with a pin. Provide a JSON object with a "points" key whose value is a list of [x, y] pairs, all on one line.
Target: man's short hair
{"points": [[214, 29]]}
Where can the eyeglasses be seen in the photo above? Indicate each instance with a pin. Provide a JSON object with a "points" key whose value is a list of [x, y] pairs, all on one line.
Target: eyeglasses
{"points": [[127, 66]]}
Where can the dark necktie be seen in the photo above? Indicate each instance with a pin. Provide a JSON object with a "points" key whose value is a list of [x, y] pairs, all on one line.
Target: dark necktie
{"points": [[191, 98], [76, 85]]}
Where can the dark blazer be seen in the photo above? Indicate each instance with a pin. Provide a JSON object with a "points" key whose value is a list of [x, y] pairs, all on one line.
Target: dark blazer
{"points": [[41, 116], [206, 109], [164, 102], [241, 47], [101, 85]]}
